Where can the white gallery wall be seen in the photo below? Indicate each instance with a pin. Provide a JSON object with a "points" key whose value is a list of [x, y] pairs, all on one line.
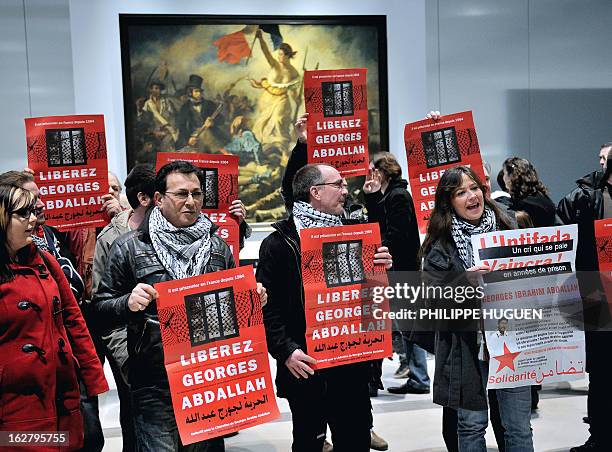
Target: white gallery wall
{"points": [[35, 70], [536, 73]]}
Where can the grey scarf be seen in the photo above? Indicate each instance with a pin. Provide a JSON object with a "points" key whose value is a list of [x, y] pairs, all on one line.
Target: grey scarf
{"points": [[183, 252], [305, 216]]}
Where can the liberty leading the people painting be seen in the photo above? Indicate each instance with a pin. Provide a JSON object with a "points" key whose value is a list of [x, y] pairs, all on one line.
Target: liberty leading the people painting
{"points": [[234, 85]]}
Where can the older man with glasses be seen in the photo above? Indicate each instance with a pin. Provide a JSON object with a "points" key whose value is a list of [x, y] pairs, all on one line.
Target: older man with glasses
{"points": [[338, 397]]}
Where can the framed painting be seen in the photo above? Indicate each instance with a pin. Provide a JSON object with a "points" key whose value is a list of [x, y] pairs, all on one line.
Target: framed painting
{"points": [[234, 85]]}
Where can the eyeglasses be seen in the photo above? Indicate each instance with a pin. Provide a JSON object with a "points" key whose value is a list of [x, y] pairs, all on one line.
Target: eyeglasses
{"points": [[339, 184], [183, 195], [25, 212]]}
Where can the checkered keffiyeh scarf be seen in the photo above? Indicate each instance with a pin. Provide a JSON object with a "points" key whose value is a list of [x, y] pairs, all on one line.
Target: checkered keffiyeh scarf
{"points": [[42, 244], [462, 231], [305, 217], [183, 252]]}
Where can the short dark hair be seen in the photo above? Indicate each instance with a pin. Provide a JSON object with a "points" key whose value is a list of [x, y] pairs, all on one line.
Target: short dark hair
{"points": [[140, 180], [178, 166], [606, 145], [386, 163], [16, 178], [306, 177]]}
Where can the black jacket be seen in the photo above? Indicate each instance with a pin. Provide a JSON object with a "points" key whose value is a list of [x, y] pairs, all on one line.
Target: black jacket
{"points": [[394, 212], [457, 380], [582, 206], [133, 260], [540, 208], [279, 271]]}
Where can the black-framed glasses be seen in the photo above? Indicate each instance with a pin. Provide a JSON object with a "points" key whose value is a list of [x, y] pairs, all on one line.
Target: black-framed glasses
{"points": [[184, 194], [339, 184], [25, 212]]}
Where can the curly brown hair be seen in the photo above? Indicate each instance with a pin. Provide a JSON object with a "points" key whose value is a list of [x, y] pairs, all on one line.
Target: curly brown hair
{"points": [[523, 177]]}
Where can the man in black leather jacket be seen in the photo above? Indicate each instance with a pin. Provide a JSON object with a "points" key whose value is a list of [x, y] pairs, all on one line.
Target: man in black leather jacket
{"points": [[126, 295]]}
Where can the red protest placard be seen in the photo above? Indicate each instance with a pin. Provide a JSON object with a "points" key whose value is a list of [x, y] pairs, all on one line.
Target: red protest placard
{"points": [[216, 354], [339, 278], [432, 147], [603, 244], [68, 157], [338, 121], [221, 173]]}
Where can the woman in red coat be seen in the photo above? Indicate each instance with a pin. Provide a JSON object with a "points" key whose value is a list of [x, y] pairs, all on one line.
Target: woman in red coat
{"points": [[43, 338]]}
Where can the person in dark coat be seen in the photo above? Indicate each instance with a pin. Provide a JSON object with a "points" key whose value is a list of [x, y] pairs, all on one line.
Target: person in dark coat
{"points": [[44, 341], [591, 200], [161, 249], [390, 205], [527, 192], [337, 396], [462, 210], [353, 213]]}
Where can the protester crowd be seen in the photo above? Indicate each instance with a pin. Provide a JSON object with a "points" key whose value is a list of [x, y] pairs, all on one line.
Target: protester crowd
{"points": [[69, 301]]}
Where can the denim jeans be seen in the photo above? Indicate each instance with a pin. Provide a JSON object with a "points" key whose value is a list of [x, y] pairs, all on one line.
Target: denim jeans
{"points": [[515, 412], [417, 363], [156, 429]]}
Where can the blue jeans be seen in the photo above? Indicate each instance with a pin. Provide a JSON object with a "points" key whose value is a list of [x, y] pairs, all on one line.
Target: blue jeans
{"points": [[515, 413], [417, 363], [155, 426]]}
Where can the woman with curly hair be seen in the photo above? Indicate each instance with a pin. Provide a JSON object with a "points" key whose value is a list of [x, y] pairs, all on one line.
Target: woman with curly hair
{"points": [[528, 193]]}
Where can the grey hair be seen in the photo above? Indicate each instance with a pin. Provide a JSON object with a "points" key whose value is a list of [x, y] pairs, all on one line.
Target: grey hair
{"points": [[306, 177]]}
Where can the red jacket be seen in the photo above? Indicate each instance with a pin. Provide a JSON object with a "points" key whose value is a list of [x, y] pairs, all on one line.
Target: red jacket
{"points": [[43, 344]]}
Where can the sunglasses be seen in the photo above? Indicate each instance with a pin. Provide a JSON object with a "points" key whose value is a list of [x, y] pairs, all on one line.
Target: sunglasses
{"points": [[25, 212]]}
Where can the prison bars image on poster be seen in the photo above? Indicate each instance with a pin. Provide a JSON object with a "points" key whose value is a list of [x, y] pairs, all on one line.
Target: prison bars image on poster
{"points": [[215, 353], [532, 269], [69, 158], [432, 147], [338, 123], [339, 278]]}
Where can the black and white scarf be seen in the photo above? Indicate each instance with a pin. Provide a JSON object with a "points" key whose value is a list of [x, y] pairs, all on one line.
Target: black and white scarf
{"points": [[183, 252], [462, 231], [305, 216]]}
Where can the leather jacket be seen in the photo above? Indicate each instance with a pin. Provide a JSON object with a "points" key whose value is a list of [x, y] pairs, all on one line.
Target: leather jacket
{"points": [[582, 206], [132, 260]]}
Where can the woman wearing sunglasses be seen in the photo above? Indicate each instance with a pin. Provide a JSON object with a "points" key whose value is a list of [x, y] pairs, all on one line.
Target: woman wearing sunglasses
{"points": [[43, 338]]}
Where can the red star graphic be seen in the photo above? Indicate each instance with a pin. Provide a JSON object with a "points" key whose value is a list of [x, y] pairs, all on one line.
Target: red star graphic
{"points": [[507, 359]]}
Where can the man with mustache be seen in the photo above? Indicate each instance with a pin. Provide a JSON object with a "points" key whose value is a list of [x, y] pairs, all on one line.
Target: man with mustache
{"points": [[174, 241]]}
